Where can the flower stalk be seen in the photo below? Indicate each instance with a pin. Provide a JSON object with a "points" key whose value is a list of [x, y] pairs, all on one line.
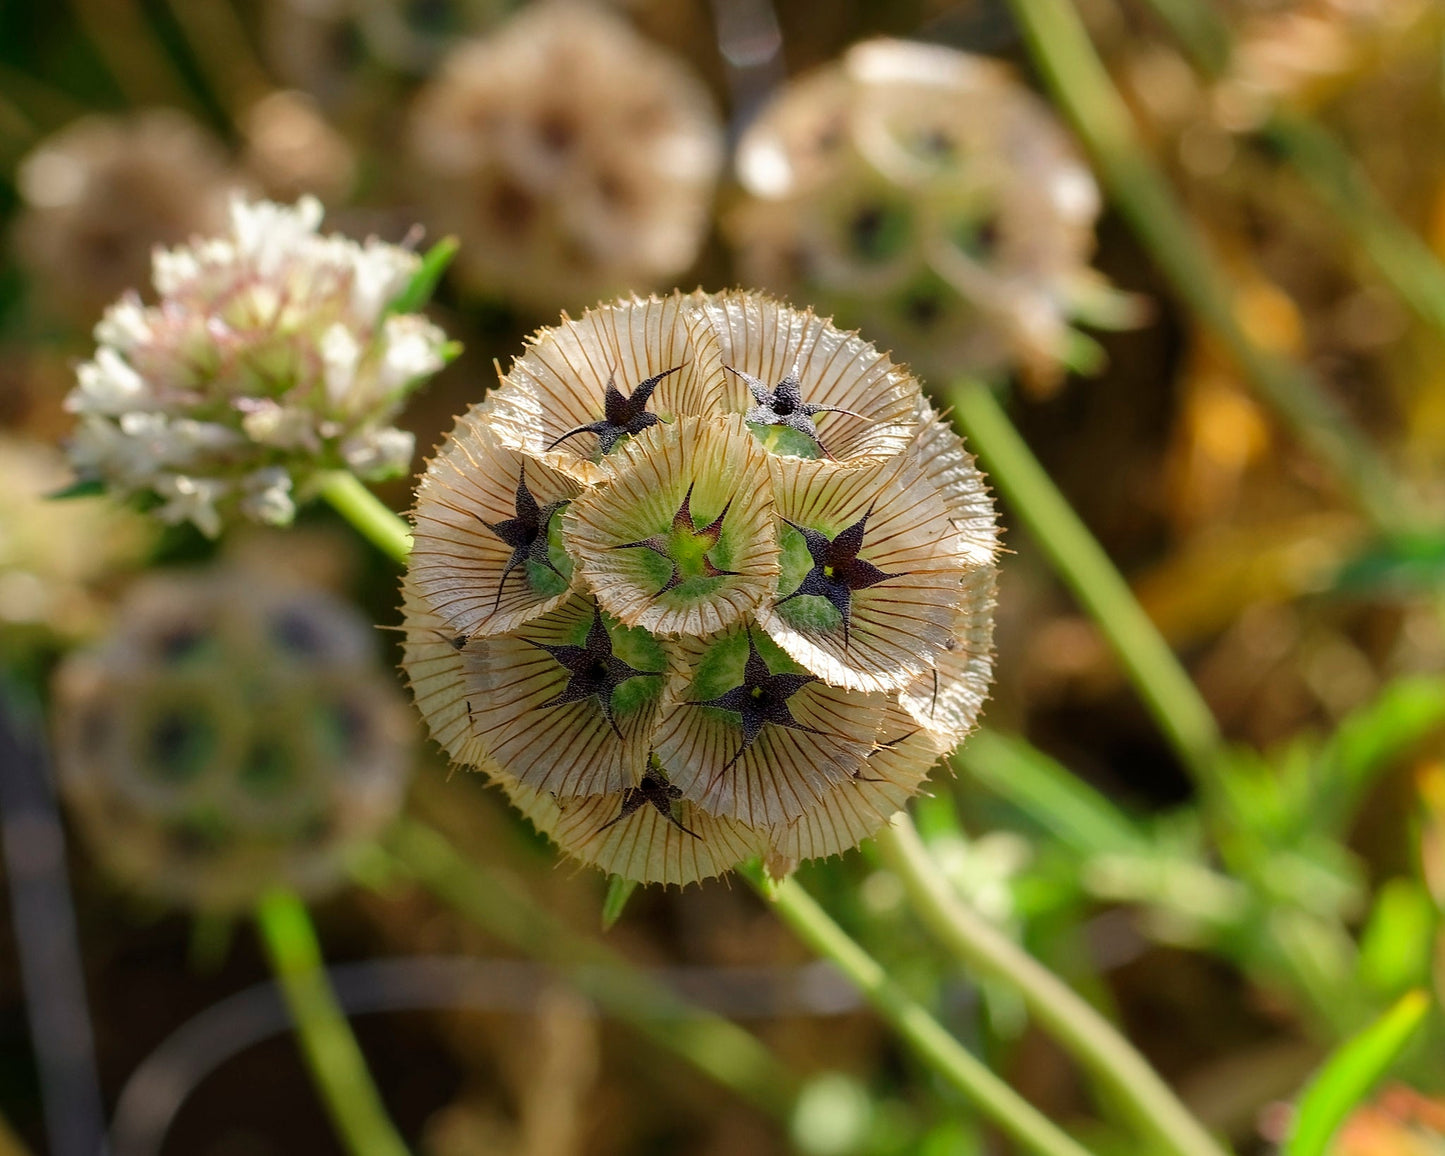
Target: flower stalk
{"points": [[1173, 700], [337, 1065], [1117, 1067], [935, 1046], [1060, 47]]}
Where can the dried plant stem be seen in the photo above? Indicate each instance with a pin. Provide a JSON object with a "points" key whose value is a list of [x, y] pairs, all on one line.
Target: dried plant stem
{"points": [[721, 1050], [950, 1059], [378, 524], [1060, 46], [1095, 1043], [1173, 700], [336, 1063]]}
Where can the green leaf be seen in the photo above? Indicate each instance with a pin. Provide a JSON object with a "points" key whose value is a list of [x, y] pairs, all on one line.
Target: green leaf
{"points": [[1395, 946], [424, 281], [619, 891], [1049, 793], [1401, 566], [1351, 1072], [80, 488], [1371, 739]]}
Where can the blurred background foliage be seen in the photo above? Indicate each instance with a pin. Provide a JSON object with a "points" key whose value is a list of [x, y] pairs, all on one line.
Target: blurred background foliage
{"points": [[1239, 929]]}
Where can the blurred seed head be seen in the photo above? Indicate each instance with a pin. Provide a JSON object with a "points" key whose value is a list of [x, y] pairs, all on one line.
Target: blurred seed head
{"points": [[103, 192], [292, 149], [704, 579], [926, 194], [232, 734], [271, 356], [572, 157]]}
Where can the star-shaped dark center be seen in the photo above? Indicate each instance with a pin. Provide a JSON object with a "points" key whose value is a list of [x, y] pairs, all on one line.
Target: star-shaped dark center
{"points": [[526, 534], [762, 698], [686, 546], [784, 405], [621, 415], [837, 570], [654, 790], [593, 671]]}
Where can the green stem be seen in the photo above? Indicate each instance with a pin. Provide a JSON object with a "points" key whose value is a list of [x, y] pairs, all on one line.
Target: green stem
{"points": [[728, 1054], [337, 1065], [381, 526], [1060, 47], [1154, 1110], [1171, 697], [1005, 1107]]}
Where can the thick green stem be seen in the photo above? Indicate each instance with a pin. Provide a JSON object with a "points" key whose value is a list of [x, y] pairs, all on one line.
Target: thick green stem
{"points": [[331, 1051], [1171, 697], [720, 1049], [1094, 1042], [935, 1046], [380, 525], [1060, 47]]}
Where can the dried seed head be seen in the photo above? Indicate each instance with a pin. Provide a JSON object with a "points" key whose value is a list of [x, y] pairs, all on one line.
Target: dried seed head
{"points": [[572, 157], [233, 734], [103, 192], [926, 193], [271, 357], [742, 641]]}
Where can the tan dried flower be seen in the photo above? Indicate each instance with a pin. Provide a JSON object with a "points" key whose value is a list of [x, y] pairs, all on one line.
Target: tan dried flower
{"points": [[572, 158], [926, 193], [55, 556], [233, 734], [704, 579], [105, 191]]}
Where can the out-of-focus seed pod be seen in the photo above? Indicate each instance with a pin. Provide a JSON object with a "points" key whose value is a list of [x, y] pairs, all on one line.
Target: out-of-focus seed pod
{"points": [[925, 195], [231, 734], [292, 150], [572, 157], [105, 191], [704, 579]]}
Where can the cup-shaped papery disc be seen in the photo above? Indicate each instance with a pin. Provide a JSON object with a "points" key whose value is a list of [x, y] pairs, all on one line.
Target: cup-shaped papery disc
{"points": [[714, 465], [644, 845], [567, 747], [435, 669], [478, 579], [858, 807], [786, 769], [769, 340], [896, 627], [559, 384]]}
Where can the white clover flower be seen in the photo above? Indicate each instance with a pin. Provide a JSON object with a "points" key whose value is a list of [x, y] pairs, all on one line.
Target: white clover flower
{"points": [[704, 579], [270, 358]]}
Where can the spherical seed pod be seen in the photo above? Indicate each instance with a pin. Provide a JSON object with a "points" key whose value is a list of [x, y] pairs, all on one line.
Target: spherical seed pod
{"points": [[705, 578], [561, 190], [925, 194], [105, 191], [233, 734], [271, 357]]}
